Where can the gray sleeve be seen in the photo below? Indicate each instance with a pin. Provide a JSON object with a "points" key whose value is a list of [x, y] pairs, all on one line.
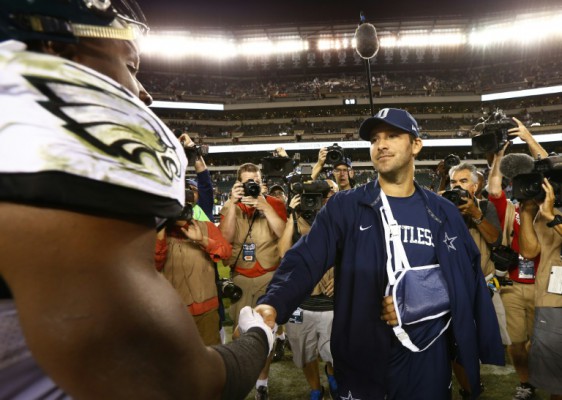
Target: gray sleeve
{"points": [[243, 359]]}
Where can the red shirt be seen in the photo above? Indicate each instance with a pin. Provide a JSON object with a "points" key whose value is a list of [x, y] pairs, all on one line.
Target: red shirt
{"points": [[501, 205]]}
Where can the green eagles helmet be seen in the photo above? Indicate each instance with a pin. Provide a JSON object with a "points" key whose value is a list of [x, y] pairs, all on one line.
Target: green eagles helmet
{"points": [[67, 20]]}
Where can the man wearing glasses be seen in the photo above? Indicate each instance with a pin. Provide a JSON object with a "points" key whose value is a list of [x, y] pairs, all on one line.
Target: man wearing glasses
{"points": [[342, 171]]}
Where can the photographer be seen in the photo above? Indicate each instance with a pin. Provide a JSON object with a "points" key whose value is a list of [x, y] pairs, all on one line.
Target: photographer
{"points": [[310, 327], [186, 251], [203, 185], [253, 223], [518, 299], [481, 218], [541, 233], [443, 168], [342, 169]]}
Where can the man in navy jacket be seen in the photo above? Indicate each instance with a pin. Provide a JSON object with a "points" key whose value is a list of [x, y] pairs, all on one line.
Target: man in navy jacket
{"points": [[369, 361]]}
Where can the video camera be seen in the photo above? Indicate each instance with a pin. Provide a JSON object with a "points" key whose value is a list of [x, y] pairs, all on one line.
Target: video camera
{"points": [[529, 185], [455, 195], [494, 133], [312, 192], [195, 152], [275, 169], [335, 154]]}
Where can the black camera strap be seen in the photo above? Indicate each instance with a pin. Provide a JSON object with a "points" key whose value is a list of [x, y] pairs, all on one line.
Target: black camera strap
{"points": [[296, 234]]}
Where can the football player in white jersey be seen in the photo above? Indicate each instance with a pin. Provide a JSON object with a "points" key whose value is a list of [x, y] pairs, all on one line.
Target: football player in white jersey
{"points": [[87, 172]]}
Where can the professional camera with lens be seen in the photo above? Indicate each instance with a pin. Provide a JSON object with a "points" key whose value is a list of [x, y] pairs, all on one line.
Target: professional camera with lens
{"points": [[455, 195], [529, 186], [504, 259], [451, 160], [195, 152], [335, 154], [312, 194], [229, 290], [494, 133], [252, 188]]}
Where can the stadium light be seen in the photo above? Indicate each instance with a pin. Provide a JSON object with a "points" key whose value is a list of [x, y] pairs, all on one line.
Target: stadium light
{"points": [[524, 29]]}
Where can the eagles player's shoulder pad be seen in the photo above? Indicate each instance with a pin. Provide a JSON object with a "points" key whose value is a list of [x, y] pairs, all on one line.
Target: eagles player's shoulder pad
{"points": [[72, 137]]}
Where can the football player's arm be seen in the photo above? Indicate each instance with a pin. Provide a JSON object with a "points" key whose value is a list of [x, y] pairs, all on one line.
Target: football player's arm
{"points": [[97, 316]]}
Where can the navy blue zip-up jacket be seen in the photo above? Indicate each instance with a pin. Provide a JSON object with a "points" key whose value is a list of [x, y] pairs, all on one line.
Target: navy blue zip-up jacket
{"points": [[348, 233]]}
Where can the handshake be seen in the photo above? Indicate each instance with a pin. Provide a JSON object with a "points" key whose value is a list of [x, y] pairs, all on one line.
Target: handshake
{"points": [[262, 317]]}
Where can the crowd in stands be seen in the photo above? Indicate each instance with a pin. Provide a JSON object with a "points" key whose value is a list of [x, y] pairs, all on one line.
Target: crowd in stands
{"points": [[236, 89]]}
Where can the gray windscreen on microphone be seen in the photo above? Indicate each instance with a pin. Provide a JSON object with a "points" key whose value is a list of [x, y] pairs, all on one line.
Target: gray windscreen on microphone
{"points": [[367, 42], [516, 164]]}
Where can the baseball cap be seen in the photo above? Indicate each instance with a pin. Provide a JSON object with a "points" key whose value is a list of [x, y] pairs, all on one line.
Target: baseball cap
{"points": [[276, 187], [344, 161], [191, 182], [396, 117]]}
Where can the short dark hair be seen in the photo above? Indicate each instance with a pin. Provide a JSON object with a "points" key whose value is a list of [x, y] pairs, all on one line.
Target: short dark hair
{"points": [[248, 167]]}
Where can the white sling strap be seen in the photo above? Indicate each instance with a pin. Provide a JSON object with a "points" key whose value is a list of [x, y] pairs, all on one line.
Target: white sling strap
{"points": [[394, 264]]}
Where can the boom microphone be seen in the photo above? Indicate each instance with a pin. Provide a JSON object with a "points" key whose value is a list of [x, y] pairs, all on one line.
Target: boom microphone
{"points": [[516, 164], [367, 42]]}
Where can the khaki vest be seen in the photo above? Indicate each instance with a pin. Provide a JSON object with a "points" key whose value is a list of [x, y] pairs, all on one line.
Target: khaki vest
{"points": [[190, 270], [550, 242], [486, 262], [261, 235]]}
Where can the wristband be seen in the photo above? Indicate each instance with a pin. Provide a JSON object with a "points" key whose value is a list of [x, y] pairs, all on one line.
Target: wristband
{"points": [[556, 221]]}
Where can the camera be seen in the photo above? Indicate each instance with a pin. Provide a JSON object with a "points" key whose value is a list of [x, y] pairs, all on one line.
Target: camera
{"points": [[186, 213], [494, 133], [335, 154], [252, 188], [275, 169], [504, 259], [229, 290], [450, 161], [195, 152], [455, 195], [276, 166], [529, 186], [312, 195]]}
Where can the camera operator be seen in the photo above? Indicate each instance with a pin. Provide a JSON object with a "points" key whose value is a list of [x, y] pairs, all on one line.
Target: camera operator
{"points": [[253, 223], [310, 327], [342, 171], [483, 225], [518, 299], [443, 168], [203, 185], [186, 251], [541, 233], [278, 192]]}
